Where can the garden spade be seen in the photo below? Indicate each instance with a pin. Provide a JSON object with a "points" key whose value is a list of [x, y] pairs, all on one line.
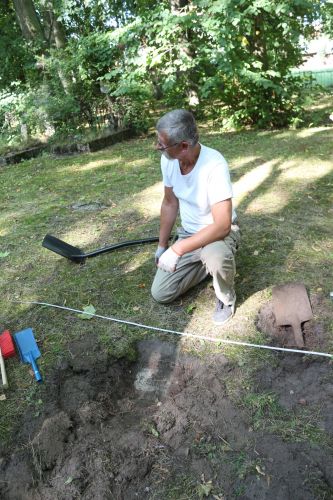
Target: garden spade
{"points": [[28, 349], [77, 255], [292, 307]]}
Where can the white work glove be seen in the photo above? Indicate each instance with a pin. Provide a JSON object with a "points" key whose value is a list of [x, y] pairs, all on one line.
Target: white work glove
{"points": [[159, 252], [168, 261]]}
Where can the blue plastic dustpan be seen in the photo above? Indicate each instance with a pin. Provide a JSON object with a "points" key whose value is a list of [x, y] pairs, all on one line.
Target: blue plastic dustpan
{"points": [[28, 349]]}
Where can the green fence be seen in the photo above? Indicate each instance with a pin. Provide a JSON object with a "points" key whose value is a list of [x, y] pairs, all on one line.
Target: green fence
{"points": [[322, 76]]}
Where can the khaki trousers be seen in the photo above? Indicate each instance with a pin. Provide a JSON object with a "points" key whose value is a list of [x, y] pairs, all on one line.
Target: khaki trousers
{"points": [[217, 259]]}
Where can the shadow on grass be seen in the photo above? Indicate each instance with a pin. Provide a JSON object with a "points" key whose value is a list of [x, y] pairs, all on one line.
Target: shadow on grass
{"points": [[273, 239]]}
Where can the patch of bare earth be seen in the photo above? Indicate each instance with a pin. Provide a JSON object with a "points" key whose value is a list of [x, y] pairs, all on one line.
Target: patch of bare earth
{"points": [[121, 430]]}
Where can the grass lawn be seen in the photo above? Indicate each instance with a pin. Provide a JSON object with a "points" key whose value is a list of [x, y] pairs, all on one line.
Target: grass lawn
{"points": [[283, 190]]}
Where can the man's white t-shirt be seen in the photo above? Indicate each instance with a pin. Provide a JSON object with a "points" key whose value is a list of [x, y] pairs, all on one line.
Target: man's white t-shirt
{"points": [[206, 184]]}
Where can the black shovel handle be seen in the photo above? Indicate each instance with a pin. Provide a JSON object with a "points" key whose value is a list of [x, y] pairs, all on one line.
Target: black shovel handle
{"points": [[120, 245], [77, 255]]}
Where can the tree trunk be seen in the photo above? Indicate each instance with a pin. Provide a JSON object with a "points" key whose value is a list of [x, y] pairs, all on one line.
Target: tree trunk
{"points": [[57, 38], [28, 20], [187, 47], [55, 31], [52, 34]]}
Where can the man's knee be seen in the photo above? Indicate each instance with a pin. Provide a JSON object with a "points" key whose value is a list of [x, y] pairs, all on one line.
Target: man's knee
{"points": [[216, 256], [163, 296]]}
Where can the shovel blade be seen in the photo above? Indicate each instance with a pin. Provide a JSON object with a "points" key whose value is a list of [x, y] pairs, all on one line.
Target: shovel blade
{"points": [[291, 304], [62, 248]]}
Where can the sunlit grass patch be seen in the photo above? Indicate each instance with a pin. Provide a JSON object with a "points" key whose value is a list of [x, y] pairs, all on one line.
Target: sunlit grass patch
{"points": [[90, 165]]}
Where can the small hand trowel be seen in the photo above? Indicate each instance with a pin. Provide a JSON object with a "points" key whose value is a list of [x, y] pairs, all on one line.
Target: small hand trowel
{"points": [[28, 349], [291, 306]]}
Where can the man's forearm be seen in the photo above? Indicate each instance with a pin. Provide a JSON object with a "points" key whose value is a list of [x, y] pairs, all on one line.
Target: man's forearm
{"points": [[218, 230], [169, 214], [202, 238]]}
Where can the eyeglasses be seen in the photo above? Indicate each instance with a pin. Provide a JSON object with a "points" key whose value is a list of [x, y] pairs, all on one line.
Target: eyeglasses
{"points": [[163, 148]]}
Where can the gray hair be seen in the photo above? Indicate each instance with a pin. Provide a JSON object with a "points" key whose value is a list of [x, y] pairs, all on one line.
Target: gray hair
{"points": [[179, 125]]}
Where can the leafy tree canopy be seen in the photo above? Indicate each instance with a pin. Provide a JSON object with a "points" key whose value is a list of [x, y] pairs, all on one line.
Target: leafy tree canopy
{"points": [[229, 58]]}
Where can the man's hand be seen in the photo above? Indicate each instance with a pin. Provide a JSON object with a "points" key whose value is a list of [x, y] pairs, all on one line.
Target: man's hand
{"points": [[159, 252], [168, 261]]}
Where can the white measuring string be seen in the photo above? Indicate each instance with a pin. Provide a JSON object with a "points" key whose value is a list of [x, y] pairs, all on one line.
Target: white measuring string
{"points": [[183, 334]]}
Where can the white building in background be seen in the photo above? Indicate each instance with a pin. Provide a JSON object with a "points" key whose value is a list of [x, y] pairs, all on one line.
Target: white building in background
{"points": [[318, 54]]}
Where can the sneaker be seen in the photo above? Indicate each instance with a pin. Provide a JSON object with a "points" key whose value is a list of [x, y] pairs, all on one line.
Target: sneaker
{"points": [[222, 313]]}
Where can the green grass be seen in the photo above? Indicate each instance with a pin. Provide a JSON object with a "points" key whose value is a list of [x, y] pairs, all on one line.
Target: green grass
{"points": [[283, 182], [242, 465], [181, 487], [296, 425]]}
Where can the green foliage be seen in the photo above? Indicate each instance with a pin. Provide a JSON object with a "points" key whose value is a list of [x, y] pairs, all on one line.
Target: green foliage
{"points": [[255, 100], [16, 56], [254, 52], [229, 59], [239, 55], [38, 110], [327, 17], [172, 53], [94, 69]]}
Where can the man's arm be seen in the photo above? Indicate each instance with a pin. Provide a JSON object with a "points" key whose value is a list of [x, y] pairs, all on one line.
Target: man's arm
{"points": [[169, 212], [219, 229]]}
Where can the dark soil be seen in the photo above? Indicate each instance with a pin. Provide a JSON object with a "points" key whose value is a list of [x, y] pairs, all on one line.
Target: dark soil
{"points": [[166, 427]]}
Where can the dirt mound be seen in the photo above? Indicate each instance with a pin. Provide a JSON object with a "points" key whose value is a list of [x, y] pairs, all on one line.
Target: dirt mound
{"points": [[165, 427]]}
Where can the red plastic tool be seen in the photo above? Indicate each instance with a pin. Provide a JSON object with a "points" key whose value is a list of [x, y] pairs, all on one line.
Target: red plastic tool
{"points": [[7, 345], [7, 350]]}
